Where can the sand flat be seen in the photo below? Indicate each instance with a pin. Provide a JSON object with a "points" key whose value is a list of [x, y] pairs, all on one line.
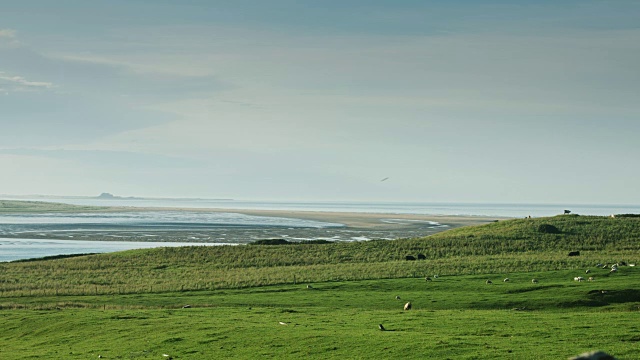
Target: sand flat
{"points": [[355, 220]]}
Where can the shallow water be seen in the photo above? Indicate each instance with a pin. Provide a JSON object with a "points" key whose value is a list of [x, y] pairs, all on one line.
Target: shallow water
{"points": [[17, 249]]}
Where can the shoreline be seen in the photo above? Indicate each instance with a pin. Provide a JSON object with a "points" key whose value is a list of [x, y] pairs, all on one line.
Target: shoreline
{"points": [[351, 220]]}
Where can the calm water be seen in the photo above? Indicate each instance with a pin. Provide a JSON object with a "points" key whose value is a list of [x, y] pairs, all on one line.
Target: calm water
{"points": [[463, 209], [16, 249]]}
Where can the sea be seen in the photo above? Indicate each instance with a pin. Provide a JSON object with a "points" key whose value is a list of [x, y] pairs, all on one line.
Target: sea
{"points": [[34, 235]]}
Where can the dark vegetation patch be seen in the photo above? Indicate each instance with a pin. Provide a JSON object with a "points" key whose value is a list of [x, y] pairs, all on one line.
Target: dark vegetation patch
{"points": [[52, 257], [286, 242], [548, 229]]}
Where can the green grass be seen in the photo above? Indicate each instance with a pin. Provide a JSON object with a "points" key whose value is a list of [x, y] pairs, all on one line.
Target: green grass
{"points": [[128, 305], [458, 317]]}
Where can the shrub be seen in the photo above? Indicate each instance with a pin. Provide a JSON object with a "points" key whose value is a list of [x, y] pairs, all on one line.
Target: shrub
{"points": [[548, 229]]}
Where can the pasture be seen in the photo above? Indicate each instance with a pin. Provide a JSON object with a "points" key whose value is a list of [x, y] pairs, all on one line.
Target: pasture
{"points": [[253, 301]]}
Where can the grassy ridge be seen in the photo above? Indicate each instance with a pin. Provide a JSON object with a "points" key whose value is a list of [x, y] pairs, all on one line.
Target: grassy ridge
{"points": [[12, 206], [501, 247]]}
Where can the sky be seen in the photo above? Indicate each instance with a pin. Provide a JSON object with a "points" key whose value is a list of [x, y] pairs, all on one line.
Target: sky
{"points": [[304, 100]]}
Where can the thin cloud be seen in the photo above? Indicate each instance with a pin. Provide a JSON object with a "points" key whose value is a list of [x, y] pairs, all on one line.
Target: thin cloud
{"points": [[19, 83], [7, 33]]}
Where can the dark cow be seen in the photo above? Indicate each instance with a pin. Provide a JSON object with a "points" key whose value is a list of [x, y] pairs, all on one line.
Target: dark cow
{"points": [[574, 253], [409, 257], [567, 211], [421, 257]]}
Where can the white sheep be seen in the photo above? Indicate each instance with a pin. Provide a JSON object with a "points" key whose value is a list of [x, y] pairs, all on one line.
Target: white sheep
{"points": [[506, 280], [535, 281], [407, 306]]}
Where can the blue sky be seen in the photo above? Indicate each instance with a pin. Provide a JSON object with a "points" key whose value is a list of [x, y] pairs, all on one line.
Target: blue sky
{"points": [[454, 101]]}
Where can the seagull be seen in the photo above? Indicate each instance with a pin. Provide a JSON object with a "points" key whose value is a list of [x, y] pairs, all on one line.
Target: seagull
{"points": [[385, 179]]}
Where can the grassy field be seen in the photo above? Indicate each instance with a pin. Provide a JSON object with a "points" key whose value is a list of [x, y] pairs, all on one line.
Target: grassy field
{"points": [[129, 305]]}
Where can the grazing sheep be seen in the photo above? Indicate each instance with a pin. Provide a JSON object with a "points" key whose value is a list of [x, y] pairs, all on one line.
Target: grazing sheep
{"points": [[436, 276], [613, 270], [407, 306], [489, 282], [186, 306], [578, 278], [599, 265], [588, 271], [605, 266], [309, 287], [427, 278], [593, 355], [506, 280], [632, 264], [535, 281], [397, 297], [591, 278]]}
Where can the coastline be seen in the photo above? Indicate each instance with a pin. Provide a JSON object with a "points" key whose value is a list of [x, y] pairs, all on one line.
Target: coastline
{"points": [[351, 220]]}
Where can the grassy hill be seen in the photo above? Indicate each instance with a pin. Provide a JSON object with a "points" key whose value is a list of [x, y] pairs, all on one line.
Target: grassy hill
{"points": [[253, 301], [502, 247]]}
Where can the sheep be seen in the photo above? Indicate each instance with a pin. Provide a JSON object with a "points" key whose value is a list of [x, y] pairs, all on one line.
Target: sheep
{"points": [[309, 287], [381, 327], [591, 278], [397, 297], [436, 276], [427, 278], [489, 282], [599, 265], [578, 278], [407, 306], [588, 271], [535, 281], [593, 355], [632, 264], [613, 270], [506, 280]]}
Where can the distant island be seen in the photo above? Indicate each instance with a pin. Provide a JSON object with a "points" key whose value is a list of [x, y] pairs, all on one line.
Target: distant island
{"points": [[109, 196]]}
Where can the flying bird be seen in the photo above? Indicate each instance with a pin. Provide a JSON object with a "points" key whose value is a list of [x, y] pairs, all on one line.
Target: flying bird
{"points": [[385, 179]]}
